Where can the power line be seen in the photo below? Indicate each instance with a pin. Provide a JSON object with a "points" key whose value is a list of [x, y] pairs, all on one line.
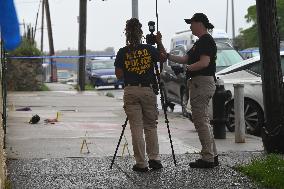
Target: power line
{"points": [[37, 18]]}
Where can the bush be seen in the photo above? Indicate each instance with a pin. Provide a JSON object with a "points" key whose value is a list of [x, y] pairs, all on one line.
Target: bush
{"points": [[24, 74]]}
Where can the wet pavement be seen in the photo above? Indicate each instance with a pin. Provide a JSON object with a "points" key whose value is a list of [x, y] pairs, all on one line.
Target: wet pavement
{"points": [[46, 155]]}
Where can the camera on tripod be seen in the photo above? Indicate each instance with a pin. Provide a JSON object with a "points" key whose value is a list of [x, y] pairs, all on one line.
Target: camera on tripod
{"points": [[151, 38]]}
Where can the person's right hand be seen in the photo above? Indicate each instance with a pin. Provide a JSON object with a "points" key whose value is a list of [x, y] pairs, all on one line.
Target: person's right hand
{"points": [[159, 37]]}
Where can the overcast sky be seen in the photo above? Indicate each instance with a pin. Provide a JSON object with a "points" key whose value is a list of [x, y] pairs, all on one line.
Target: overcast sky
{"points": [[106, 19]]}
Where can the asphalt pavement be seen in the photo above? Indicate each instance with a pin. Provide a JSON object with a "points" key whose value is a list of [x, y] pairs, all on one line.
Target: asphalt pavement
{"points": [[73, 144]]}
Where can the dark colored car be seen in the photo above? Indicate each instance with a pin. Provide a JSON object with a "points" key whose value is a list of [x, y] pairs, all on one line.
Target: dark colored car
{"points": [[174, 84], [102, 73]]}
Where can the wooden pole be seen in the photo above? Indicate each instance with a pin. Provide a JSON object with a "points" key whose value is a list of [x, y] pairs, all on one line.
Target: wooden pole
{"points": [[50, 40], [82, 42]]}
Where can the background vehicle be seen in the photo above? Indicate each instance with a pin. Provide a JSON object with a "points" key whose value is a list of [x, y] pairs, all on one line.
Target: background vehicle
{"points": [[250, 52], [174, 85], [247, 72], [187, 39], [66, 76], [102, 73]]}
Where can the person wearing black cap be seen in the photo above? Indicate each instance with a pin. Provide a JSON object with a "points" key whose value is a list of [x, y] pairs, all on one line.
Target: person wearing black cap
{"points": [[200, 72], [135, 64]]}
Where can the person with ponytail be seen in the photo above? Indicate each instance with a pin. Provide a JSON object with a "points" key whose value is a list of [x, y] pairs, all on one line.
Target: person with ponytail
{"points": [[135, 64]]}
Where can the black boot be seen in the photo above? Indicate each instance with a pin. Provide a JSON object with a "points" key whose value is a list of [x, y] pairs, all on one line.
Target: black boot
{"points": [[200, 163], [155, 164], [139, 169]]}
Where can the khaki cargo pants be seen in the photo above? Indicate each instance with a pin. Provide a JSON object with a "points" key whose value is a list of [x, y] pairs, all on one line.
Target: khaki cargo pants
{"points": [[201, 90], [140, 105]]}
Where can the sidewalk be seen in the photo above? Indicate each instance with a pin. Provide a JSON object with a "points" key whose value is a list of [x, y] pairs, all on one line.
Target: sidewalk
{"points": [[48, 155]]}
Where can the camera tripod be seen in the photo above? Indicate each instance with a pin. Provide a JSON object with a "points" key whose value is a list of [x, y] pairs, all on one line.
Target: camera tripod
{"points": [[166, 120]]}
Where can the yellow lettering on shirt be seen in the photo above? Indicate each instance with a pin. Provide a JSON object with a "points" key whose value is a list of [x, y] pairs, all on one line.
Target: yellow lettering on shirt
{"points": [[138, 61]]}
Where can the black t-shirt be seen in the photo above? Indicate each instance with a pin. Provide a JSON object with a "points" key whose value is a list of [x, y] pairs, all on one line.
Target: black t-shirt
{"points": [[204, 46], [137, 63]]}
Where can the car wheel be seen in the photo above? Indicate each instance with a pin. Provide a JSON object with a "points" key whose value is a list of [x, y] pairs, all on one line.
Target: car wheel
{"points": [[116, 86], [184, 101], [254, 117]]}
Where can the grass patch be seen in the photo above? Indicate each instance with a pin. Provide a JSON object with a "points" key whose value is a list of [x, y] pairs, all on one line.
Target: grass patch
{"points": [[43, 87], [89, 87], [268, 171]]}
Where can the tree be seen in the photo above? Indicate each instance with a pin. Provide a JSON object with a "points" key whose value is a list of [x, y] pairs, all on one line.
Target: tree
{"points": [[249, 37], [272, 78]]}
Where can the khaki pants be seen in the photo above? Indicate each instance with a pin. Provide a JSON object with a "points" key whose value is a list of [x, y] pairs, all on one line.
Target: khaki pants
{"points": [[140, 104], [201, 90]]}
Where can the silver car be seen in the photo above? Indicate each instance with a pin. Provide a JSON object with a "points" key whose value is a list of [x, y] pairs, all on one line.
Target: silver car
{"points": [[247, 72]]}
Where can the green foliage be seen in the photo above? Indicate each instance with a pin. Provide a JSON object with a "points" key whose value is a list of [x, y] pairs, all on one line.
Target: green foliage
{"points": [[268, 172], [43, 87], [89, 87], [249, 37], [27, 48], [24, 74]]}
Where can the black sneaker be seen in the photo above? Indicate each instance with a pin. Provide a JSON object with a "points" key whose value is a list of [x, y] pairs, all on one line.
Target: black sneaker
{"points": [[155, 164], [139, 169], [216, 161], [202, 164]]}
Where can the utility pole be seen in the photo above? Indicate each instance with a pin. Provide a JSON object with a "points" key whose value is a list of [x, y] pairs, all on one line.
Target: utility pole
{"points": [[82, 43], [233, 22], [135, 9], [272, 79], [50, 39], [227, 8], [42, 26]]}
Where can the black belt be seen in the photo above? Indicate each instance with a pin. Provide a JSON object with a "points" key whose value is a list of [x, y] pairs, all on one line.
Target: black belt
{"points": [[139, 84]]}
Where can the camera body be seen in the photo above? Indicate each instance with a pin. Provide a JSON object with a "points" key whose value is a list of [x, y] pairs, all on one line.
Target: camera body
{"points": [[151, 38]]}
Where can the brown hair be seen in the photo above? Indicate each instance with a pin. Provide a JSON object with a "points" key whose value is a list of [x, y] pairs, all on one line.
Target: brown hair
{"points": [[133, 32]]}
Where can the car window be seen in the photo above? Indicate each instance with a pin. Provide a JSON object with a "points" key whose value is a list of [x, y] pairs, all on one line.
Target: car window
{"points": [[227, 57], [103, 65], [63, 74], [256, 66]]}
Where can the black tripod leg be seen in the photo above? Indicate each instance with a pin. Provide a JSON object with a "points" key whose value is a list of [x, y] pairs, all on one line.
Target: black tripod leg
{"points": [[168, 127], [165, 110], [118, 144]]}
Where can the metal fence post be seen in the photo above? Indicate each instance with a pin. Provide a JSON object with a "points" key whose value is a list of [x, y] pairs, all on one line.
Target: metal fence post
{"points": [[239, 113]]}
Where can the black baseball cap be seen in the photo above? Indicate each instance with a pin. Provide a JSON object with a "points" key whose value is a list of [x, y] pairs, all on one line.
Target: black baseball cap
{"points": [[200, 17]]}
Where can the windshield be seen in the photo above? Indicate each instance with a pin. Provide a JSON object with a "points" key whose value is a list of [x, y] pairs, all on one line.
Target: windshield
{"points": [[227, 57], [103, 65]]}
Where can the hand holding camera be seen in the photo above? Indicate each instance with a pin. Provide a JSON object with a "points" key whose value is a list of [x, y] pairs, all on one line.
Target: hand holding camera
{"points": [[151, 38]]}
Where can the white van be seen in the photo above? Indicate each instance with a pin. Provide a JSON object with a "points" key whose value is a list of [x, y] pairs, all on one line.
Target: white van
{"points": [[187, 39]]}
